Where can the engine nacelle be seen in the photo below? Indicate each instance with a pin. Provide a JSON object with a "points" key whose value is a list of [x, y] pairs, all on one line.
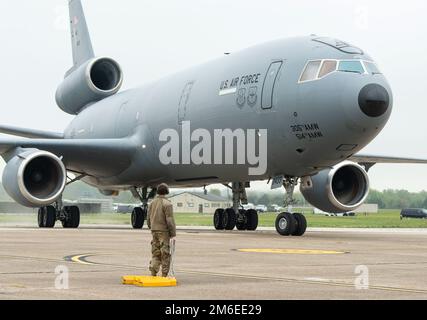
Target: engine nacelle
{"points": [[93, 81], [35, 178], [340, 189]]}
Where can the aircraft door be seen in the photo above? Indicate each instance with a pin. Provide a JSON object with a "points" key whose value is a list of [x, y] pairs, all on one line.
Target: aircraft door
{"points": [[122, 127], [183, 102], [269, 84]]}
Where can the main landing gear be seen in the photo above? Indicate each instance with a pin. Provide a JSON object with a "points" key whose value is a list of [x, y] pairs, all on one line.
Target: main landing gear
{"points": [[68, 215], [236, 217], [139, 214], [290, 224], [287, 223]]}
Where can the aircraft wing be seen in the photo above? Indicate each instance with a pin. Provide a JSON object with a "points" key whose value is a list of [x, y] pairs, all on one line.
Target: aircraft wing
{"points": [[94, 157], [373, 159], [30, 133]]}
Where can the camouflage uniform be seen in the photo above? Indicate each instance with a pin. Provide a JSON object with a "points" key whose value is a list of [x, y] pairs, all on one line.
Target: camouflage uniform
{"points": [[162, 224]]}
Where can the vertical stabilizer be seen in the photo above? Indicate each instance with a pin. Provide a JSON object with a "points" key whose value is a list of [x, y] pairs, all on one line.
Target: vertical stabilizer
{"points": [[80, 38]]}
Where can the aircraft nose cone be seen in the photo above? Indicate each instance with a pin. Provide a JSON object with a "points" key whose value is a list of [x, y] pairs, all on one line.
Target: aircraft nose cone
{"points": [[374, 100]]}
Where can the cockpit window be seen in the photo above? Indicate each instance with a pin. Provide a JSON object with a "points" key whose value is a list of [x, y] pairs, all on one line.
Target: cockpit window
{"points": [[371, 67], [311, 70], [351, 66], [328, 66], [318, 69]]}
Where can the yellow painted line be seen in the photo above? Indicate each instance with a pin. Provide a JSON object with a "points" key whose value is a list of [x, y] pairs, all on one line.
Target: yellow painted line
{"points": [[81, 259], [291, 251], [78, 259]]}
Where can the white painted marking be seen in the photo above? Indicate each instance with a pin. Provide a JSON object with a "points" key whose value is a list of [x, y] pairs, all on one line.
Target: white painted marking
{"points": [[227, 91], [317, 279]]}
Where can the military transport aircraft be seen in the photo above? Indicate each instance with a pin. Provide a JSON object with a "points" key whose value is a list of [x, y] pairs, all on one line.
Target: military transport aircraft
{"points": [[319, 100]]}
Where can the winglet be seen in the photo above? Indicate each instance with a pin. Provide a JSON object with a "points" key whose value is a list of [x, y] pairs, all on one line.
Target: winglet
{"points": [[80, 37]]}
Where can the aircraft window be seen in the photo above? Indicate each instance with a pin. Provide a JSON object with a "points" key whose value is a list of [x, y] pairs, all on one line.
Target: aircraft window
{"points": [[371, 67], [328, 67], [311, 70], [351, 66]]}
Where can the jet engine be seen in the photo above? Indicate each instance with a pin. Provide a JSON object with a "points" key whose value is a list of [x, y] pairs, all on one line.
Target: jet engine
{"points": [[340, 189], [93, 81], [34, 178]]}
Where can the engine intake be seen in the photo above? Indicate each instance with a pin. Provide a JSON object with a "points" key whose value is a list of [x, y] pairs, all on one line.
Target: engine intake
{"points": [[34, 178], [91, 82], [340, 189]]}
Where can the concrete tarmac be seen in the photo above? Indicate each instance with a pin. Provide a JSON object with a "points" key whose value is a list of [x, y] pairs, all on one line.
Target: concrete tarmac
{"points": [[324, 264]]}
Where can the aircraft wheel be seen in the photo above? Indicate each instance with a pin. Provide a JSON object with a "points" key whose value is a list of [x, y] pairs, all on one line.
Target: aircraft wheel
{"points": [[72, 217], [242, 220], [252, 220], [137, 218], [285, 224], [301, 225], [229, 219], [46, 217], [218, 219], [40, 215]]}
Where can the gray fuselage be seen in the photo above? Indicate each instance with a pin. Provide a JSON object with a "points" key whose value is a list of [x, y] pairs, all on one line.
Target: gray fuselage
{"points": [[311, 125]]}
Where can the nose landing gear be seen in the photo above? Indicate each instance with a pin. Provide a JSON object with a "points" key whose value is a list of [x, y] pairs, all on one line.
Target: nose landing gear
{"points": [[287, 223]]}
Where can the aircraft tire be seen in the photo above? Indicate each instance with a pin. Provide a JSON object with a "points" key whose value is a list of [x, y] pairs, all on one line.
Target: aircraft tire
{"points": [[301, 225], [229, 219], [285, 224], [72, 220], [218, 219], [48, 216], [252, 220], [40, 218], [137, 218], [242, 220]]}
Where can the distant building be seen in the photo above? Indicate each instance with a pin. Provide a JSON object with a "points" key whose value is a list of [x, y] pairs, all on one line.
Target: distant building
{"points": [[105, 205], [193, 202], [13, 207]]}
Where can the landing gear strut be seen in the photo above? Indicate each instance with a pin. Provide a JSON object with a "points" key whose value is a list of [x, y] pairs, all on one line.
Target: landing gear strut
{"points": [[288, 223], [228, 219], [139, 214], [68, 215]]}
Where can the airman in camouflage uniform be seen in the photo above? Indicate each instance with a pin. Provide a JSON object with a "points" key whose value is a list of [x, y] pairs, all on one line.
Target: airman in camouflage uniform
{"points": [[162, 224]]}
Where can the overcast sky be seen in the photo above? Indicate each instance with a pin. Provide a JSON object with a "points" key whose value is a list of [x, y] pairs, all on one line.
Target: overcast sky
{"points": [[153, 38]]}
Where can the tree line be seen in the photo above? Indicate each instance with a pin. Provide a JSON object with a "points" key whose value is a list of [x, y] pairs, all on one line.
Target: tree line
{"points": [[387, 199]]}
